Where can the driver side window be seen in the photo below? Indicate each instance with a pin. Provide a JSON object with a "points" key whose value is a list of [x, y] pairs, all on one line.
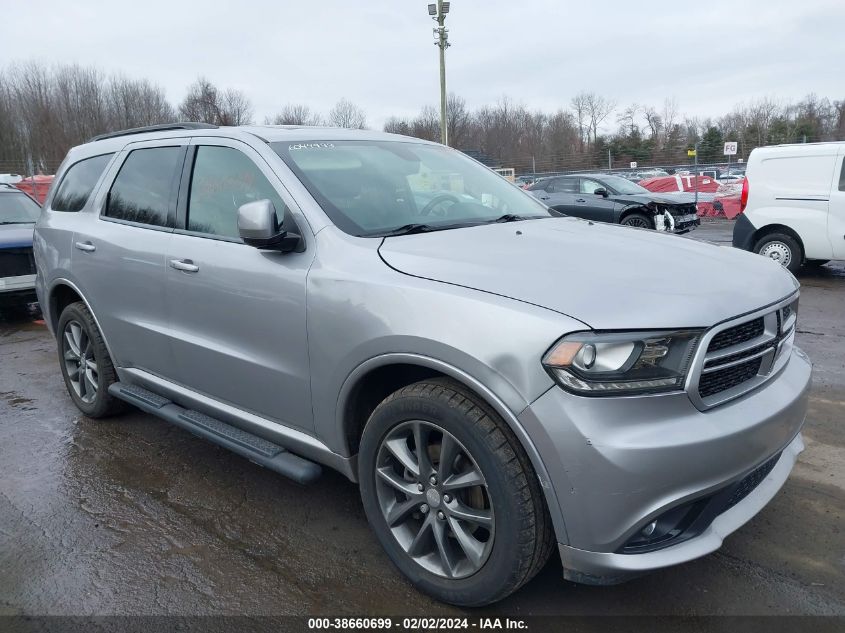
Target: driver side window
{"points": [[590, 186], [223, 179]]}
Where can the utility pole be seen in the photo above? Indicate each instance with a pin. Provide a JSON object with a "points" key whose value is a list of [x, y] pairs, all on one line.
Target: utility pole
{"points": [[609, 159], [438, 12]]}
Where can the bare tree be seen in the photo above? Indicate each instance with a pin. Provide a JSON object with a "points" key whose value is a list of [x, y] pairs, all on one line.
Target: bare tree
{"points": [[347, 114], [205, 103], [579, 107], [295, 114], [458, 120], [236, 108], [598, 109]]}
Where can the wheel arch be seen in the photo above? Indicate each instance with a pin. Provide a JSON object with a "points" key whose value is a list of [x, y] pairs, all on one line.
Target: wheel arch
{"points": [[62, 293], [768, 229], [637, 208], [362, 392]]}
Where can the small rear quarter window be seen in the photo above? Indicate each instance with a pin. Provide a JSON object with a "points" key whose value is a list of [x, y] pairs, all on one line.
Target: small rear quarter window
{"points": [[78, 183]]}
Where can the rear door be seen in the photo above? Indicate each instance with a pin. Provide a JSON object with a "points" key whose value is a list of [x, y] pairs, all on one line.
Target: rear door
{"points": [[237, 312], [119, 253], [836, 214], [561, 194]]}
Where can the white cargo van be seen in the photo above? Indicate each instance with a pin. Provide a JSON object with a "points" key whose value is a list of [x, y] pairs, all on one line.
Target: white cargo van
{"points": [[793, 203]]}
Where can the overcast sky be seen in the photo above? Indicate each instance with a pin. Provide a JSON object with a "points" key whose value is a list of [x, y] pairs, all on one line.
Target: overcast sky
{"points": [[380, 54]]}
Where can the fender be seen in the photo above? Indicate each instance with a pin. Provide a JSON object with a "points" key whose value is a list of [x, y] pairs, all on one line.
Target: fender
{"points": [[62, 281], [489, 397]]}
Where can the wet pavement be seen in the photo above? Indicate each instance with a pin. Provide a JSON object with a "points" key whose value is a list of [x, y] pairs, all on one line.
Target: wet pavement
{"points": [[133, 516]]}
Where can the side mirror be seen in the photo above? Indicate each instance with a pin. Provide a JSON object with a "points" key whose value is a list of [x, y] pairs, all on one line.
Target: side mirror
{"points": [[257, 227], [601, 191]]}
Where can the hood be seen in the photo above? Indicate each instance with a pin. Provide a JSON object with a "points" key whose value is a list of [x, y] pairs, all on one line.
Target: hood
{"points": [[608, 276], [16, 235]]}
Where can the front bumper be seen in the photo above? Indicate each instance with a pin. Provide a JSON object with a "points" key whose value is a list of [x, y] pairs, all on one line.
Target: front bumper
{"points": [[617, 464]]}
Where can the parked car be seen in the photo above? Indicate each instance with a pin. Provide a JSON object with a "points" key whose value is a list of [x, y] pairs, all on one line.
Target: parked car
{"points": [[615, 200], [18, 214], [499, 380], [793, 204]]}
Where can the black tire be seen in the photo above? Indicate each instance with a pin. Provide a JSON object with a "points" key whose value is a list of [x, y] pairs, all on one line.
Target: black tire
{"points": [[522, 537], [782, 248], [817, 262], [101, 404], [637, 220]]}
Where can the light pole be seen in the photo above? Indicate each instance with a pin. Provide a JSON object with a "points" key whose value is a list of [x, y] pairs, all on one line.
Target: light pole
{"points": [[438, 13]]}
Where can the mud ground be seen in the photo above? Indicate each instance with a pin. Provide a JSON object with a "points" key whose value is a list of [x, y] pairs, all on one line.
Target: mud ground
{"points": [[134, 516]]}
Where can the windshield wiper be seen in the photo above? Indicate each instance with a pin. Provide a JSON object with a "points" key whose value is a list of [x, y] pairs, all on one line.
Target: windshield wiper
{"points": [[512, 217], [409, 229], [17, 222]]}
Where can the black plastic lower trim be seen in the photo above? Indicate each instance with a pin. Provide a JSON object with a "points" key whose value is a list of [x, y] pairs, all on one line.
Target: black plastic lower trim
{"points": [[744, 231]]}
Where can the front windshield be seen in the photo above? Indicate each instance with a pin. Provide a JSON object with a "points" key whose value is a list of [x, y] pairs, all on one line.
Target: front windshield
{"points": [[373, 188], [623, 185], [18, 208]]}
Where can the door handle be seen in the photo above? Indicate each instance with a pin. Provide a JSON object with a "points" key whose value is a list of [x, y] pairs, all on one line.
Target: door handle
{"points": [[185, 265], [88, 247]]}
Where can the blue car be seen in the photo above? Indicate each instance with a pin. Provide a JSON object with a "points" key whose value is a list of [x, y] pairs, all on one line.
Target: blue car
{"points": [[18, 214]]}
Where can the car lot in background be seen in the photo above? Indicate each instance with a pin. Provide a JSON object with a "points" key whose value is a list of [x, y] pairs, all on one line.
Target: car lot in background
{"points": [[615, 200], [18, 214]]}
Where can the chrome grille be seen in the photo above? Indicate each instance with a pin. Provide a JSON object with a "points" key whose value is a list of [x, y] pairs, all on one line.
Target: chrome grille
{"points": [[740, 355]]}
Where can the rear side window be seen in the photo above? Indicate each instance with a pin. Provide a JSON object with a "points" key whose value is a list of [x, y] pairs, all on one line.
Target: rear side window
{"points": [[143, 189], [223, 180], [78, 183], [566, 185]]}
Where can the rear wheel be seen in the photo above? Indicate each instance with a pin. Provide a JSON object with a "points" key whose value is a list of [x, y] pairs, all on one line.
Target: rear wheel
{"points": [[637, 220], [782, 248], [451, 494], [86, 366]]}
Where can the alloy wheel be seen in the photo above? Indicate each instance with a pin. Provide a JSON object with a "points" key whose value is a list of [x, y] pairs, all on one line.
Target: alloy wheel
{"points": [[434, 498], [636, 222], [80, 364]]}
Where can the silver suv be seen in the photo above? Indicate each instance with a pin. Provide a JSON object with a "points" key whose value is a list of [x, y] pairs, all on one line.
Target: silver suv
{"points": [[499, 379]]}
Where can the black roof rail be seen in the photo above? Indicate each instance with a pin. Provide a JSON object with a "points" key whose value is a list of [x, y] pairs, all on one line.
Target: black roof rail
{"points": [[154, 128]]}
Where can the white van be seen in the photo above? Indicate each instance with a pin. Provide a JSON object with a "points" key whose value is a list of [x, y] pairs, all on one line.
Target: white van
{"points": [[793, 202]]}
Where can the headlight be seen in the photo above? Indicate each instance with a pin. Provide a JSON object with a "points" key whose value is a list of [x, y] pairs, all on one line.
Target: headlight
{"points": [[616, 363]]}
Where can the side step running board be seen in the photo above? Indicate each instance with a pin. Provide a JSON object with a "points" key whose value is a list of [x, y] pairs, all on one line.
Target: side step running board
{"points": [[254, 448]]}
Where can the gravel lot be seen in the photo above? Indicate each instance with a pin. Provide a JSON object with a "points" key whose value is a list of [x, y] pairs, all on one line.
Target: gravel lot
{"points": [[134, 516]]}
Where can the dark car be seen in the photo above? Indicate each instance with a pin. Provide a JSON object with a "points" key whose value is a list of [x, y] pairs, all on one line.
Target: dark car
{"points": [[612, 199], [18, 214]]}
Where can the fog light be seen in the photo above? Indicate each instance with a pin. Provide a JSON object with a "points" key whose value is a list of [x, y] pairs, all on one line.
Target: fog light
{"points": [[649, 529]]}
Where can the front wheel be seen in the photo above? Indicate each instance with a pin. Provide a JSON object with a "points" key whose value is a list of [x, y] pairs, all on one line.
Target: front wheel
{"points": [[782, 248], [638, 221], [451, 494]]}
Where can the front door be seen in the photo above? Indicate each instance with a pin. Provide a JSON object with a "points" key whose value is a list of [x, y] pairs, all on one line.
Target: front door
{"points": [[591, 205], [237, 312]]}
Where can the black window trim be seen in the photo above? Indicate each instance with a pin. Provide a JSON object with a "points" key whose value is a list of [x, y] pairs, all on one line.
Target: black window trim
{"points": [[48, 204], [174, 183]]}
